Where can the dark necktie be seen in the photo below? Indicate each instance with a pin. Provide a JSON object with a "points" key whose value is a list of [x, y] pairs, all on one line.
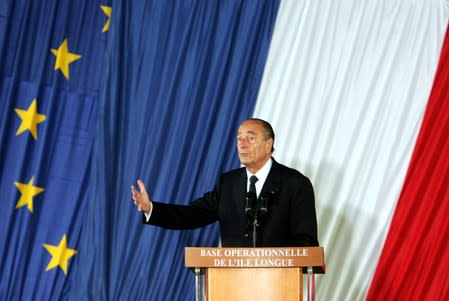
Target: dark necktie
{"points": [[252, 184]]}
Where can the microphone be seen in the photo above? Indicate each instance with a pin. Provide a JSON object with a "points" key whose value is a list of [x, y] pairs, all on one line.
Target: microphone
{"points": [[250, 202], [263, 204], [257, 208]]}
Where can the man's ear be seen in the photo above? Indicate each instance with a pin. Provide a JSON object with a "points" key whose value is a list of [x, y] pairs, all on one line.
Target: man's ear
{"points": [[270, 144]]}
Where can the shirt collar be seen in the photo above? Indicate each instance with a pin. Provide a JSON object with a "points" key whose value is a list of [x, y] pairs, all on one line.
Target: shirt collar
{"points": [[262, 173]]}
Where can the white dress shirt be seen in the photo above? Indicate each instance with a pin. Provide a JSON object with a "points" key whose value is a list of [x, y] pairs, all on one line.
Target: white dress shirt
{"points": [[261, 175]]}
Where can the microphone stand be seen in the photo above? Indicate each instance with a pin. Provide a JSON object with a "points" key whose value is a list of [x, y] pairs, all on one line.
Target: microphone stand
{"points": [[255, 209], [254, 229]]}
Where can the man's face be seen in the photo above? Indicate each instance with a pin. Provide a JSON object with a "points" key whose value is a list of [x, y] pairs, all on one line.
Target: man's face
{"points": [[253, 147]]}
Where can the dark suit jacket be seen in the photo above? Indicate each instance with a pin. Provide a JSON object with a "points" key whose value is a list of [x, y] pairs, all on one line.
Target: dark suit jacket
{"points": [[289, 221]]}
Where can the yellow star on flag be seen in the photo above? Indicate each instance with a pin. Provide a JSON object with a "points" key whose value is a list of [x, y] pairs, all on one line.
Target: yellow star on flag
{"points": [[30, 119], [64, 58], [28, 192], [60, 255], [108, 12]]}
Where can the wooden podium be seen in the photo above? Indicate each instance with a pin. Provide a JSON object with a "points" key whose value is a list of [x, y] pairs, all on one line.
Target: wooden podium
{"points": [[254, 273]]}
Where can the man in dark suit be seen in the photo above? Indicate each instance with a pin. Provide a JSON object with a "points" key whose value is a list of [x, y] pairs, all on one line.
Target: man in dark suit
{"points": [[289, 219]]}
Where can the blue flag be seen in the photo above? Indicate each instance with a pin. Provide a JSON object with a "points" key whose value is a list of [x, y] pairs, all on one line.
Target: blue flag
{"points": [[182, 76], [93, 97], [51, 75]]}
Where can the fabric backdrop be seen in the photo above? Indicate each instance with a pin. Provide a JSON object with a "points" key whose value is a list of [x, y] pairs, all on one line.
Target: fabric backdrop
{"points": [[94, 95], [51, 77], [346, 85], [183, 75]]}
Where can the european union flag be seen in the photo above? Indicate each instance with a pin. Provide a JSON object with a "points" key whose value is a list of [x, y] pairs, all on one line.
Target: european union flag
{"points": [[152, 89], [51, 74]]}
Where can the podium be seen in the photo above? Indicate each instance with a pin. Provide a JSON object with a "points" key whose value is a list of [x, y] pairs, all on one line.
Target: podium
{"points": [[254, 273]]}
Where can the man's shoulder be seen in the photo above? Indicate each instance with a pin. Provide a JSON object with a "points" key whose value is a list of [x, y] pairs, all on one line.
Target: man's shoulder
{"points": [[234, 172], [285, 171], [232, 177]]}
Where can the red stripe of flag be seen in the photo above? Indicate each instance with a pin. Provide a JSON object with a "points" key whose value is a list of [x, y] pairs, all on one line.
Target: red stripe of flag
{"points": [[414, 262]]}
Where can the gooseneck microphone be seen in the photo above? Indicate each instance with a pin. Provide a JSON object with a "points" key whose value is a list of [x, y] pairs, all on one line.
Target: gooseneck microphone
{"points": [[256, 206], [263, 203], [250, 203]]}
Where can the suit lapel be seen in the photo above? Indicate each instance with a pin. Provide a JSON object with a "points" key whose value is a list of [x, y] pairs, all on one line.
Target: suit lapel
{"points": [[240, 190], [273, 182]]}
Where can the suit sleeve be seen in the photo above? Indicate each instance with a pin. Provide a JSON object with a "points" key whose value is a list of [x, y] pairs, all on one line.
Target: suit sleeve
{"points": [[199, 213]]}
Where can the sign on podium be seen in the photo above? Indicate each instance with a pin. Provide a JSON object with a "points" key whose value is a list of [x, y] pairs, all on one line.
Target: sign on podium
{"points": [[254, 273]]}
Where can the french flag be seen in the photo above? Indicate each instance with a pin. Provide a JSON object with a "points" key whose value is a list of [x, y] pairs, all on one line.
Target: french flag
{"points": [[358, 93]]}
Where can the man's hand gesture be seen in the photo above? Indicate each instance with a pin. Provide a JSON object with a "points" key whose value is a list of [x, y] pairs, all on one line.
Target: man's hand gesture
{"points": [[141, 198]]}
